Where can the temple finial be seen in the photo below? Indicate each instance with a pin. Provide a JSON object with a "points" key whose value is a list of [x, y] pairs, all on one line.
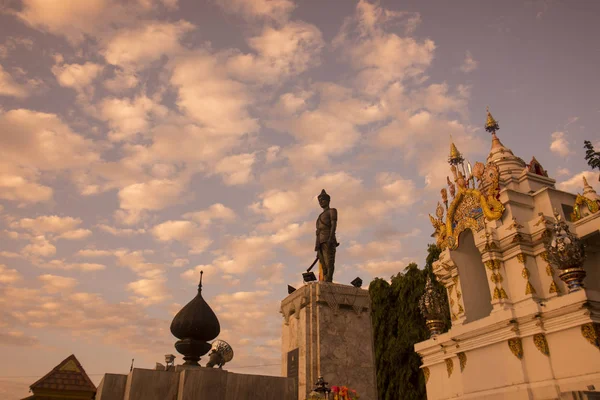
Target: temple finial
{"points": [[585, 182], [455, 158], [200, 284], [491, 125]]}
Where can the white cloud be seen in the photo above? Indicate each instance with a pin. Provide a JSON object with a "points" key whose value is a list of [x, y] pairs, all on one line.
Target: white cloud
{"points": [[128, 118], [182, 231], [76, 76], [94, 253], [123, 232], [208, 96], [135, 260], [560, 144], [280, 53], [39, 246], [9, 275], [43, 141], [215, 212], [47, 224], [149, 291], [469, 64], [237, 169], [66, 266], [147, 43], [76, 234], [575, 183], [278, 10], [153, 195], [9, 87], [123, 80], [56, 284], [380, 57]]}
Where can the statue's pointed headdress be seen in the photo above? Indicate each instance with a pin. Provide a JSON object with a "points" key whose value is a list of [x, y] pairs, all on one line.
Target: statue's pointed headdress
{"points": [[324, 195]]}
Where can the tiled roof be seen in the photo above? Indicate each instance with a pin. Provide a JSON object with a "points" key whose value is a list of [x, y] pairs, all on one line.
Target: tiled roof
{"points": [[69, 375]]}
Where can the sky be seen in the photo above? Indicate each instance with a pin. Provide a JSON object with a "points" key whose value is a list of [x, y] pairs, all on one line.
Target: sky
{"points": [[143, 141]]}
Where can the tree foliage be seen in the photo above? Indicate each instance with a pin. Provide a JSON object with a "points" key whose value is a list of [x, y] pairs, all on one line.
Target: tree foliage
{"points": [[591, 156], [397, 326]]}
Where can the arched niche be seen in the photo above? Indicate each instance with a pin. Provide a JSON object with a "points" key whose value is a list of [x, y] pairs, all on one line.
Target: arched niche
{"points": [[475, 288]]}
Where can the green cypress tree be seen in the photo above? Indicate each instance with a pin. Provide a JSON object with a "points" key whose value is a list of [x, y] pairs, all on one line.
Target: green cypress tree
{"points": [[397, 326]]}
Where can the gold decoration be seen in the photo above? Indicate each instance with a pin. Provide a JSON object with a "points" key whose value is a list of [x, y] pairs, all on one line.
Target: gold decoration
{"points": [[525, 273], [460, 309], [529, 289], [516, 347], [521, 257], [580, 200], [497, 294], [426, 374], [591, 332], [469, 208], [70, 366], [544, 256], [549, 270], [503, 294], [491, 125], [449, 366], [489, 264], [462, 357], [554, 288], [539, 339]]}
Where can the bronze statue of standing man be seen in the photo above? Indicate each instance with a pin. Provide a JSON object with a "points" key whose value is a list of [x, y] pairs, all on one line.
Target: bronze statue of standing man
{"points": [[326, 242]]}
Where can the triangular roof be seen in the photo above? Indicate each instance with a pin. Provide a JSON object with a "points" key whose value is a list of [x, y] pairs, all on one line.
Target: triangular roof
{"points": [[69, 375]]}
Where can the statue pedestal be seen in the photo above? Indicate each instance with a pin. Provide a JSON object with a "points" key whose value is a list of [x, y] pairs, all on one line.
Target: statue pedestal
{"points": [[327, 332]]}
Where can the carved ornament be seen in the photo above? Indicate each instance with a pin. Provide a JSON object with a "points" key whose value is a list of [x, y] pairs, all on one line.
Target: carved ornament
{"points": [[516, 347], [539, 339], [462, 357], [449, 366], [591, 333], [426, 374]]}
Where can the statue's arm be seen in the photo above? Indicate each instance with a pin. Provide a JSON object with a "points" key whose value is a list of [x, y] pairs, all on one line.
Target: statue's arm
{"points": [[334, 216]]}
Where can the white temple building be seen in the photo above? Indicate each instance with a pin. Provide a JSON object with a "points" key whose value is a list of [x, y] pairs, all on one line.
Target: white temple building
{"points": [[524, 294]]}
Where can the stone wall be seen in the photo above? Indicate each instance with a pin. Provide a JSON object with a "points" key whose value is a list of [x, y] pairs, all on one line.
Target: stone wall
{"points": [[194, 384]]}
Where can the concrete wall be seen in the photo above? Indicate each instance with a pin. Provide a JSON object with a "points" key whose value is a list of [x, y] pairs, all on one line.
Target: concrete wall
{"points": [[194, 384]]}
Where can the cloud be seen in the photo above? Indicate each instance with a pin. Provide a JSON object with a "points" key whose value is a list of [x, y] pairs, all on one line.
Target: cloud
{"points": [[76, 234], [380, 57], [209, 97], [237, 169], [39, 246], [47, 224], [19, 184], [77, 76], [183, 231], [144, 44], [216, 211], [17, 338], [41, 140], [94, 253], [559, 144], [9, 275], [12, 43], [66, 266], [149, 291], [469, 64], [280, 53], [153, 195], [575, 183], [128, 118], [123, 232], [277, 10], [135, 260], [56, 284], [122, 80], [9, 87], [75, 20]]}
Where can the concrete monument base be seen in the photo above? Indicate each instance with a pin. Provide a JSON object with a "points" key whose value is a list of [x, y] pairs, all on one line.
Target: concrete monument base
{"points": [[327, 332], [194, 384]]}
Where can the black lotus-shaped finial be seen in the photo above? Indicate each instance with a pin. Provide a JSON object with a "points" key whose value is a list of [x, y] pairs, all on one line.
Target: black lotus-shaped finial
{"points": [[195, 325]]}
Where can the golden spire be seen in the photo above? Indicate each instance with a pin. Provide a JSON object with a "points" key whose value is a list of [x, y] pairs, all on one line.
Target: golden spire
{"points": [[455, 157], [585, 182], [491, 125]]}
